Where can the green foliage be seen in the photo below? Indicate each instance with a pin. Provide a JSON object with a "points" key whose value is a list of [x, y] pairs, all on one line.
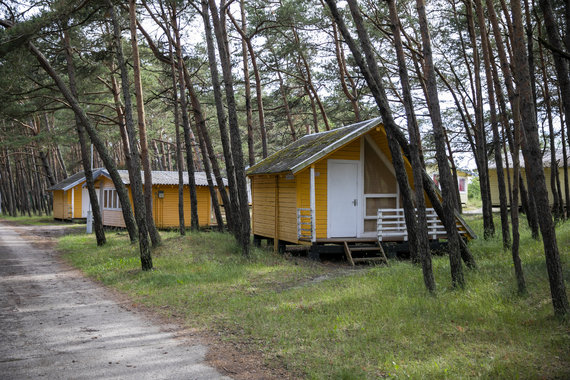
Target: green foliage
{"points": [[474, 189], [323, 321]]}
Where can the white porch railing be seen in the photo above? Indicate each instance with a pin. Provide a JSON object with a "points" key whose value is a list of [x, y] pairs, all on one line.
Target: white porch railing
{"points": [[392, 225], [304, 224]]}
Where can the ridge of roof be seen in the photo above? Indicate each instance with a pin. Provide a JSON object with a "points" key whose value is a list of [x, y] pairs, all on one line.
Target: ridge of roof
{"points": [[159, 177], [310, 148]]}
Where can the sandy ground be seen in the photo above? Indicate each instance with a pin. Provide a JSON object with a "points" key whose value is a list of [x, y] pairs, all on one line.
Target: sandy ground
{"points": [[56, 324]]}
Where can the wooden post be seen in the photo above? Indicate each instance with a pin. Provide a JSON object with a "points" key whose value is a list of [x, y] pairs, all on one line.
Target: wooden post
{"points": [[313, 206], [276, 234], [102, 200], [72, 202]]}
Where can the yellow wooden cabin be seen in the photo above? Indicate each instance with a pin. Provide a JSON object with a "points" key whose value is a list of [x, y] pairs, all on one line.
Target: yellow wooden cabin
{"points": [[463, 179], [165, 198], [70, 197], [331, 187], [494, 184]]}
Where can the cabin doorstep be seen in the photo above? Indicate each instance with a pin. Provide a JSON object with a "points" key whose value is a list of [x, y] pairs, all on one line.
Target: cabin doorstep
{"points": [[71, 199], [329, 187]]}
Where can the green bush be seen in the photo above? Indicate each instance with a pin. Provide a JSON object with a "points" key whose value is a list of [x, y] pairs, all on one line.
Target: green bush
{"points": [[474, 189]]}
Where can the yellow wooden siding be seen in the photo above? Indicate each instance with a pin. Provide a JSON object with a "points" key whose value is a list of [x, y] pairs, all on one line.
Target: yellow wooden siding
{"points": [[493, 182], [58, 204], [165, 210], [350, 151], [67, 205], [263, 203], [77, 200], [287, 229]]}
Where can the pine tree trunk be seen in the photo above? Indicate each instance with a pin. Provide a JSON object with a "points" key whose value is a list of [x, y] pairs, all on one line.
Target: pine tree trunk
{"points": [[194, 222], [343, 74], [213, 194], [562, 67], [413, 131], [485, 47], [480, 133], [85, 156], [99, 145], [134, 172], [557, 208], [145, 159], [534, 165], [286, 106], [449, 200], [179, 157], [247, 85], [223, 47], [232, 208], [565, 166]]}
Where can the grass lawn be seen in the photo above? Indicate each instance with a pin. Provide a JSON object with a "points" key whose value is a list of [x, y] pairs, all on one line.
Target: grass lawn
{"points": [[32, 221], [331, 322]]}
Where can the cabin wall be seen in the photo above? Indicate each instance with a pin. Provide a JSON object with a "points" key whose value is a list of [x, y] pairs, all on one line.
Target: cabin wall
{"points": [[165, 210], [112, 218], [77, 199], [494, 184], [59, 198], [287, 203], [379, 137], [263, 205]]}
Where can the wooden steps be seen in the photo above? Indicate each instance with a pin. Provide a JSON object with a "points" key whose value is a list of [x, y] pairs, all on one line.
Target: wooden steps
{"points": [[372, 253]]}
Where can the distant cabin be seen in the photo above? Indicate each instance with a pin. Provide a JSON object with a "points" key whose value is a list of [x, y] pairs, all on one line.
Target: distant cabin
{"points": [[71, 199], [494, 184], [463, 179], [331, 187]]}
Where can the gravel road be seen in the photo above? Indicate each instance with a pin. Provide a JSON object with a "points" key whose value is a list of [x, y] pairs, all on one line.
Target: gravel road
{"points": [[56, 324]]}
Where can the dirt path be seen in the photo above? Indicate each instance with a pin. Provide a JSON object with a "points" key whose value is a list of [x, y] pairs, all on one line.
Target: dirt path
{"points": [[54, 323]]}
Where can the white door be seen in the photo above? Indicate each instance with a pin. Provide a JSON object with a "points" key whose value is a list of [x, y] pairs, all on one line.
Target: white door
{"points": [[342, 184], [85, 203]]}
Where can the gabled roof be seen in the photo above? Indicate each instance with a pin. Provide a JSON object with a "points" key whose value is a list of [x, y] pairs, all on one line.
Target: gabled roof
{"points": [[158, 178], [546, 161], [310, 148], [74, 180], [168, 178]]}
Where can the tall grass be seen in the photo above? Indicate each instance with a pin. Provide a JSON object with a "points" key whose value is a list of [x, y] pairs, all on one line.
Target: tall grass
{"points": [[323, 321]]}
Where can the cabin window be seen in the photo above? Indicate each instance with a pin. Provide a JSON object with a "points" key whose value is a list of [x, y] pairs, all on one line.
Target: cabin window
{"points": [[462, 187], [111, 200]]}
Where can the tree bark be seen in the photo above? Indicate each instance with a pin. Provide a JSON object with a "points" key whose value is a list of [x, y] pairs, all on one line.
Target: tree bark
{"points": [[413, 131], [560, 64], [134, 170], [480, 133], [85, 156], [146, 260], [194, 223], [179, 157], [449, 200], [223, 47], [485, 47], [527, 203], [534, 165], [141, 121], [232, 208]]}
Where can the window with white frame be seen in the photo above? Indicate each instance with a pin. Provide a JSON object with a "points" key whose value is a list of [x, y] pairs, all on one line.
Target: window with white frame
{"points": [[111, 200]]}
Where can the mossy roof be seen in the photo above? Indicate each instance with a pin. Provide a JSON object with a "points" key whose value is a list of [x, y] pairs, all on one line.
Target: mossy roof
{"points": [[311, 148]]}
